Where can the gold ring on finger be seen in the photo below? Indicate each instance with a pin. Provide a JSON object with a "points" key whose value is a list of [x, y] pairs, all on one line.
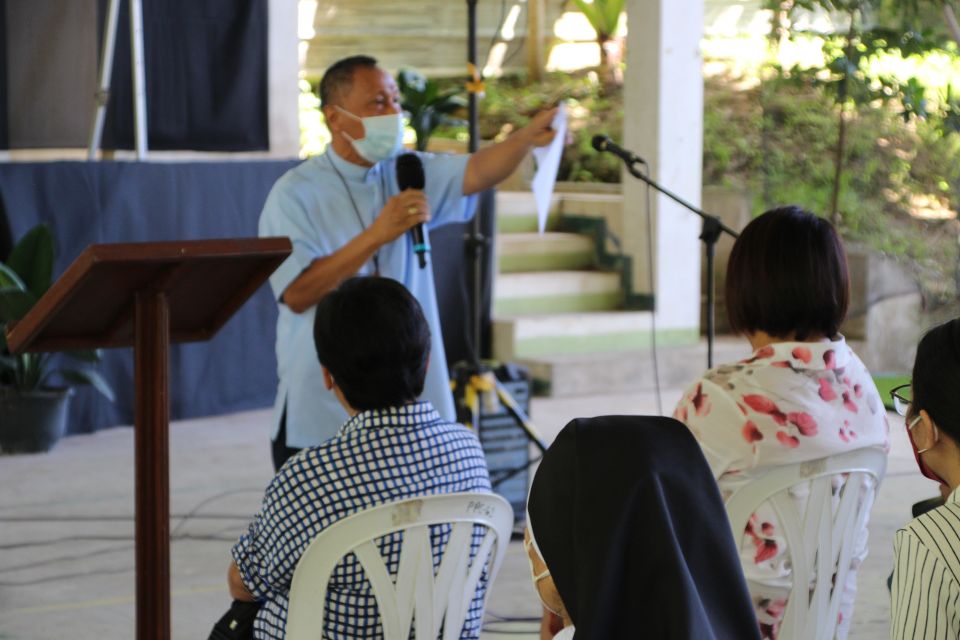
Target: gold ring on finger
{"points": [[411, 210]]}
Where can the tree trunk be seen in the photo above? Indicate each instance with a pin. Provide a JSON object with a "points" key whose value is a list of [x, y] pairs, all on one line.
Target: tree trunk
{"points": [[838, 168], [606, 70], [951, 19], [602, 40], [780, 31], [842, 129], [536, 56]]}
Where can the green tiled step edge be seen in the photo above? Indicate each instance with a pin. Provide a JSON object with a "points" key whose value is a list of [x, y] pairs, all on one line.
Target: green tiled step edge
{"points": [[558, 304], [597, 229], [525, 223], [602, 343], [571, 261]]}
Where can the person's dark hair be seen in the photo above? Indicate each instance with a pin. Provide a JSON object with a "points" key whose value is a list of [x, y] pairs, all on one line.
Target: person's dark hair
{"points": [[787, 275], [338, 78], [372, 336], [936, 377]]}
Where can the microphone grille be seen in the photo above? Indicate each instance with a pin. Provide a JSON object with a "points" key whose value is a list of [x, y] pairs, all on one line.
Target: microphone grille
{"points": [[410, 172]]}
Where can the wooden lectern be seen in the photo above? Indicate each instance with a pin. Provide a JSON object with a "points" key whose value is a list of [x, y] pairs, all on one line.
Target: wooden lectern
{"points": [[148, 295]]}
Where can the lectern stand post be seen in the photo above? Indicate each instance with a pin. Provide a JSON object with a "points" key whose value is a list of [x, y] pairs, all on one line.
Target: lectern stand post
{"points": [[152, 456], [149, 295]]}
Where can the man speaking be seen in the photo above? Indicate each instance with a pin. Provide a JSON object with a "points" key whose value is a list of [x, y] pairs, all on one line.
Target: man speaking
{"points": [[346, 215]]}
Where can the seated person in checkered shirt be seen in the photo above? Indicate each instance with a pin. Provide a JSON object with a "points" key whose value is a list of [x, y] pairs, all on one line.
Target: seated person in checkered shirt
{"points": [[373, 343]]}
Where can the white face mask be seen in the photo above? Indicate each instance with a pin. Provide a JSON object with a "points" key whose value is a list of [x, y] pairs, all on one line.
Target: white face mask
{"points": [[383, 137], [527, 545]]}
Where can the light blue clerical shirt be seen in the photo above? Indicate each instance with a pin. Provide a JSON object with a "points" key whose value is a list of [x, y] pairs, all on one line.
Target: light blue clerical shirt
{"points": [[311, 205]]}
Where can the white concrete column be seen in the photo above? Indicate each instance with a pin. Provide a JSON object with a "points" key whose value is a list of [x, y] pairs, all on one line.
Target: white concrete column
{"points": [[283, 68], [663, 123]]}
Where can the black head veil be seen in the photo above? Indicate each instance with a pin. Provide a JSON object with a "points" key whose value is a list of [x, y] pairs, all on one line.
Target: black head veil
{"points": [[630, 523]]}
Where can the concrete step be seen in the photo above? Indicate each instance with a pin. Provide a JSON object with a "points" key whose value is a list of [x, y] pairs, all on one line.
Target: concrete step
{"points": [[517, 212], [526, 337], [538, 292], [531, 251], [627, 371]]}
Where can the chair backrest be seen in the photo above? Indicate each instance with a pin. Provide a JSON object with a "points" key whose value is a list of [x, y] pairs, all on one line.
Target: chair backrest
{"points": [[821, 539], [440, 600]]}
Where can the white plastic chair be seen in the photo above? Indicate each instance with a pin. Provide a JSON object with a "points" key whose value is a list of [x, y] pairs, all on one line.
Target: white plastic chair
{"points": [[821, 540], [441, 600]]}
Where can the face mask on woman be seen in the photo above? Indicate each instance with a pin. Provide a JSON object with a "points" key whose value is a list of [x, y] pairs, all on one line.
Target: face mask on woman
{"points": [[924, 469], [529, 543], [383, 138]]}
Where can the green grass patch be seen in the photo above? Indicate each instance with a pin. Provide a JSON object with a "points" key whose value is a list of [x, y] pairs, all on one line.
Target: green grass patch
{"points": [[887, 381]]}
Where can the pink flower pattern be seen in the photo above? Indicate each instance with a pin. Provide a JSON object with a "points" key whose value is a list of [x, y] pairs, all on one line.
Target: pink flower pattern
{"points": [[826, 390], [762, 404], [788, 402], [701, 402], [803, 422], [751, 433]]}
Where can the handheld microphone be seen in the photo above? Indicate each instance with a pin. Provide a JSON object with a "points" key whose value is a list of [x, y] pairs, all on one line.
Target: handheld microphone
{"points": [[410, 176], [604, 143]]}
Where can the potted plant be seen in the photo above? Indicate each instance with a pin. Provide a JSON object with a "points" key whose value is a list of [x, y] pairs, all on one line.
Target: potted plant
{"points": [[428, 106], [34, 388]]}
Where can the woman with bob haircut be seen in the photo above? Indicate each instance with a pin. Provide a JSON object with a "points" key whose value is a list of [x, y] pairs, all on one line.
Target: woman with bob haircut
{"points": [[925, 587], [802, 395]]}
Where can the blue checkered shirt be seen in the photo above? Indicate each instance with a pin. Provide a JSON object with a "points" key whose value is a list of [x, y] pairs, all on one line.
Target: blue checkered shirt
{"points": [[378, 456]]}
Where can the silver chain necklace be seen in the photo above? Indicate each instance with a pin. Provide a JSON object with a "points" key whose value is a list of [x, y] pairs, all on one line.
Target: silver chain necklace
{"points": [[356, 210]]}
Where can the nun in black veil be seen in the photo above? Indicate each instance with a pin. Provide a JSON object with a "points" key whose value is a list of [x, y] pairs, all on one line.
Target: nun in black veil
{"points": [[628, 520]]}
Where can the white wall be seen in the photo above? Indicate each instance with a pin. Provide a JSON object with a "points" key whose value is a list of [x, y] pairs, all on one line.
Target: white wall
{"points": [[663, 122], [283, 68]]}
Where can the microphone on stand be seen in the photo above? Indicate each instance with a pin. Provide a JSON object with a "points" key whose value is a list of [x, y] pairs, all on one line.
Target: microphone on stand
{"points": [[410, 176], [604, 143]]}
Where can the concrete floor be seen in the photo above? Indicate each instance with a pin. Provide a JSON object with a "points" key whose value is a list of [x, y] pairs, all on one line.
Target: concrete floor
{"points": [[66, 528]]}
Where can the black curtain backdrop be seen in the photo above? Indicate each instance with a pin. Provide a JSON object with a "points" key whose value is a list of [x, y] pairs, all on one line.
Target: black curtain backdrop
{"points": [[95, 202], [4, 136], [206, 69]]}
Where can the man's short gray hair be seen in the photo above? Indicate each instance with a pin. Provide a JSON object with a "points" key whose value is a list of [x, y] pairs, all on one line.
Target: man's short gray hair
{"points": [[338, 78]]}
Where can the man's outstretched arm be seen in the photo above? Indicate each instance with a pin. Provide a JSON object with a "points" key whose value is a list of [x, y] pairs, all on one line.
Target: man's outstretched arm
{"points": [[491, 165]]}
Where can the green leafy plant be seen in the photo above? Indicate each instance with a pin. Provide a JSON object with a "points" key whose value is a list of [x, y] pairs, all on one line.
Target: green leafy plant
{"points": [[847, 54], [604, 17], [24, 278], [429, 106]]}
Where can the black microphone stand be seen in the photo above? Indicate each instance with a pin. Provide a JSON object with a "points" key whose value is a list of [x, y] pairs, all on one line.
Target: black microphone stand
{"points": [[709, 234], [476, 374]]}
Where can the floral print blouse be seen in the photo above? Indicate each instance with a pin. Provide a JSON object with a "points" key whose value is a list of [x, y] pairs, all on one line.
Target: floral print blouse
{"points": [[789, 402]]}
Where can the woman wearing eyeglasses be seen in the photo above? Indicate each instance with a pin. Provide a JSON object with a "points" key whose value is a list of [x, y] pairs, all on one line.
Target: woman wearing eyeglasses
{"points": [[925, 602], [802, 395]]}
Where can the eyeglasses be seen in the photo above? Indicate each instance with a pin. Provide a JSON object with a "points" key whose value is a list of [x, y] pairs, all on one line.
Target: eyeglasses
{"points": [[902, 398]]}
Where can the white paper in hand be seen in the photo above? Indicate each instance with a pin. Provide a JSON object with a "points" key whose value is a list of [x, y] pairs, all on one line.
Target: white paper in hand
{"points": [[548, 161]]}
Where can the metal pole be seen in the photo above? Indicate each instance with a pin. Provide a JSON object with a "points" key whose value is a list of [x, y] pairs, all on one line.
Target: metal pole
{"points": [[472, 59], [139, 78], [711, 302], [477, 239], [710, 233], [102, 96]]}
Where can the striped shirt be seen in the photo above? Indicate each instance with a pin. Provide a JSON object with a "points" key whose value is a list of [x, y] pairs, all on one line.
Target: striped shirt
{"points": [[379, 456], [925, 594]]}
